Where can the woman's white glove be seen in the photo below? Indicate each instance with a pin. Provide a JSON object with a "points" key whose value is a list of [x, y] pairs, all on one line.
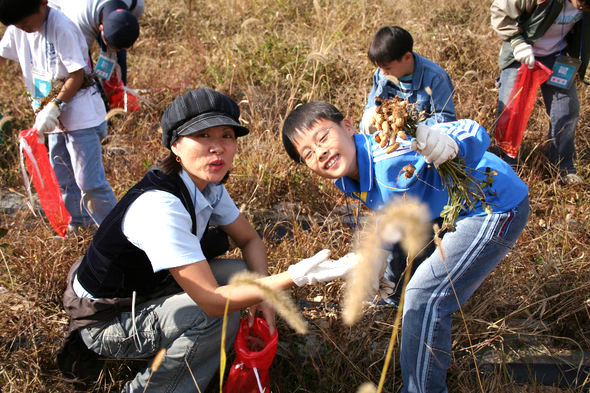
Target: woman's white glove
{"points": [[523, 53], [319, 268], [435, 146], [46, 120]]}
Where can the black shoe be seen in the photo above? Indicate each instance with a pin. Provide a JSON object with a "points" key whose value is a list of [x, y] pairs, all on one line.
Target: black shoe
{"points": [[391, 301], [79, 365]]}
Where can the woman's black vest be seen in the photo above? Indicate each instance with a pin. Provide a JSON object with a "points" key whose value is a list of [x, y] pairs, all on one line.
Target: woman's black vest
{"points": [[113, 266]]}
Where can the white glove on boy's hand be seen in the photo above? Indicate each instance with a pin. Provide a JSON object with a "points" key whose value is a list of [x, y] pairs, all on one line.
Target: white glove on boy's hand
{"points": [[46, 120], [319, 268], [523, 53], [435, 146], [367, 121]]}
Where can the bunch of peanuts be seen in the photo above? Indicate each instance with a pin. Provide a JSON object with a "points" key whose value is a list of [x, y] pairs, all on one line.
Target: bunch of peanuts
{"points": [[394, 118]]}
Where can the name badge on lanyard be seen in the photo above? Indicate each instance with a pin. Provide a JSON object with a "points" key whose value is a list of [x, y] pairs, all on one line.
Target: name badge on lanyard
{"points": [[41, 86], [564, 70], [104, 67]]}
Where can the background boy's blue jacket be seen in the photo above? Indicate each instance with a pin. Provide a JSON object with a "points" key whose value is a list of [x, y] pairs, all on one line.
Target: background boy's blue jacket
{"points": [[382, 177], [439, 106]]}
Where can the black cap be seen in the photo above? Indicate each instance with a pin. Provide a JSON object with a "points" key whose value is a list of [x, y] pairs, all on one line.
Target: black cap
{"points": [[198, 110], [120, 27]]}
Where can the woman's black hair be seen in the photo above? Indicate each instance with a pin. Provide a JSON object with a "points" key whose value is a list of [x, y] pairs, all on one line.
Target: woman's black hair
{"points": [[168, 165], [14, 11], [304, 117], [390, 43]]}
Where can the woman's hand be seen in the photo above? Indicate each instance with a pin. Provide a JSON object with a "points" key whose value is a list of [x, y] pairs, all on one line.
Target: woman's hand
{"points": [[268, 313]]}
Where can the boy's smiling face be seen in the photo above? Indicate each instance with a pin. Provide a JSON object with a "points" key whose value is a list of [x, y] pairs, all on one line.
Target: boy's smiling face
{"points": [[328, 149]]}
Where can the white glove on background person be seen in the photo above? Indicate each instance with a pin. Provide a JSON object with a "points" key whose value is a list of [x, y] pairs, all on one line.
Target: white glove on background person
{"points": [[367, 121], [523, 53], [435, 146], [46, 120], [319, 268]]}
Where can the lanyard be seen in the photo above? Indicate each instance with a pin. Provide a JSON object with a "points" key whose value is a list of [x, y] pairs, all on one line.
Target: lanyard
{"points": [[195, 198], [47, 62]]}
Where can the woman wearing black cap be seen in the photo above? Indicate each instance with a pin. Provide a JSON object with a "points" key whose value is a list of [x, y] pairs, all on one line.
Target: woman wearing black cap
{"points": [[123, 296]]}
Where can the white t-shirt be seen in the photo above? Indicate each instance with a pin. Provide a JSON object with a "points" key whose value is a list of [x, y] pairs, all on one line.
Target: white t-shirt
{"points": [[86, 14], [553, 40], [52, 53]]}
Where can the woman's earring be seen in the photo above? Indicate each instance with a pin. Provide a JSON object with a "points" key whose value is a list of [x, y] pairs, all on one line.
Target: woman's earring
{"points": [[177, 159]]}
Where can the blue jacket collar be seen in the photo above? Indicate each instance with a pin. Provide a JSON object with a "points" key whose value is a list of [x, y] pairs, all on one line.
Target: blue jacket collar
{"points": [[365, 165]]}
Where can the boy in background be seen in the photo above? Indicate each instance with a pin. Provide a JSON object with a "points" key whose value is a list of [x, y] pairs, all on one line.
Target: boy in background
{"points": [[402, 72], [49, 47], [318, 135]]}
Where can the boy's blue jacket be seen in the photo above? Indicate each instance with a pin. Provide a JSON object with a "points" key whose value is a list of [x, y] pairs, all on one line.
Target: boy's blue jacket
{"points": [[438, 105], [382, 177]]}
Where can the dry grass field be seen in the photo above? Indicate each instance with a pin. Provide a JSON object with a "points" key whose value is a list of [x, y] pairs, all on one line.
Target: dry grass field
{"points": [[271, 56]]}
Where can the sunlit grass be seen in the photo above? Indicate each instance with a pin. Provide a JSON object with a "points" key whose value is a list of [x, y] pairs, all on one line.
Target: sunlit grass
{"points": [[271, 56]]}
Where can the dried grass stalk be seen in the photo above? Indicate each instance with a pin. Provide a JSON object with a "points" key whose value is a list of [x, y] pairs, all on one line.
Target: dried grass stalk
{"points": [[367, 387], [158, 359], [282, 303], [404, 220]]}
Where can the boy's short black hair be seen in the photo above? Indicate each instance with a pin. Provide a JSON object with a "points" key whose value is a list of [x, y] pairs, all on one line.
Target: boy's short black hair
{"points": [[14, 11], [390, 43], [304, 117]]}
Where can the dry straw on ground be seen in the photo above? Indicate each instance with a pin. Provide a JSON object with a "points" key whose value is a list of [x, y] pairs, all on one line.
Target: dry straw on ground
{"points": [[538, 294]]}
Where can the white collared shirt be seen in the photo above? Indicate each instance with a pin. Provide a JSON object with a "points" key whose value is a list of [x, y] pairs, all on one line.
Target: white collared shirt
{"points": [[158, 223]]}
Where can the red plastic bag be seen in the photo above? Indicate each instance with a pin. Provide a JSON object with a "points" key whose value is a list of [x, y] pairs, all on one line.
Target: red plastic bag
{"points": [[44, 180], [515, 116], [123, 99], [117, 94], [255, 350]]}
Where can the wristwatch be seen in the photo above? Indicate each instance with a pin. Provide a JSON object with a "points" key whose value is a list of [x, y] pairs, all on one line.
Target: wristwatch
{"points": [[60, 104]]}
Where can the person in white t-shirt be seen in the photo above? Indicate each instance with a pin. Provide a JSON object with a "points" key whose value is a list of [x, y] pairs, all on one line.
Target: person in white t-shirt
{"points": [[150, 278], [557, 34], [111, 23], [50, 48]]}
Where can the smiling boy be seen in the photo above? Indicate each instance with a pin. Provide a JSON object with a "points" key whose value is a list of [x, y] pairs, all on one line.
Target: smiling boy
{"points": [[318, 135]]}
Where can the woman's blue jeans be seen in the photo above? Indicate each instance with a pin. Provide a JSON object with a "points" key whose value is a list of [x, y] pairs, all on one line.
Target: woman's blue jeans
{"points": [[563, 108], [439, 285]]}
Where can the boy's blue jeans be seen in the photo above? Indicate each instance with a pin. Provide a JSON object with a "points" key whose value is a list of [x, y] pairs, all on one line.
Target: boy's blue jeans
{"points": [[439, 286], [563, 108], [76, 158], [176, 323]]}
